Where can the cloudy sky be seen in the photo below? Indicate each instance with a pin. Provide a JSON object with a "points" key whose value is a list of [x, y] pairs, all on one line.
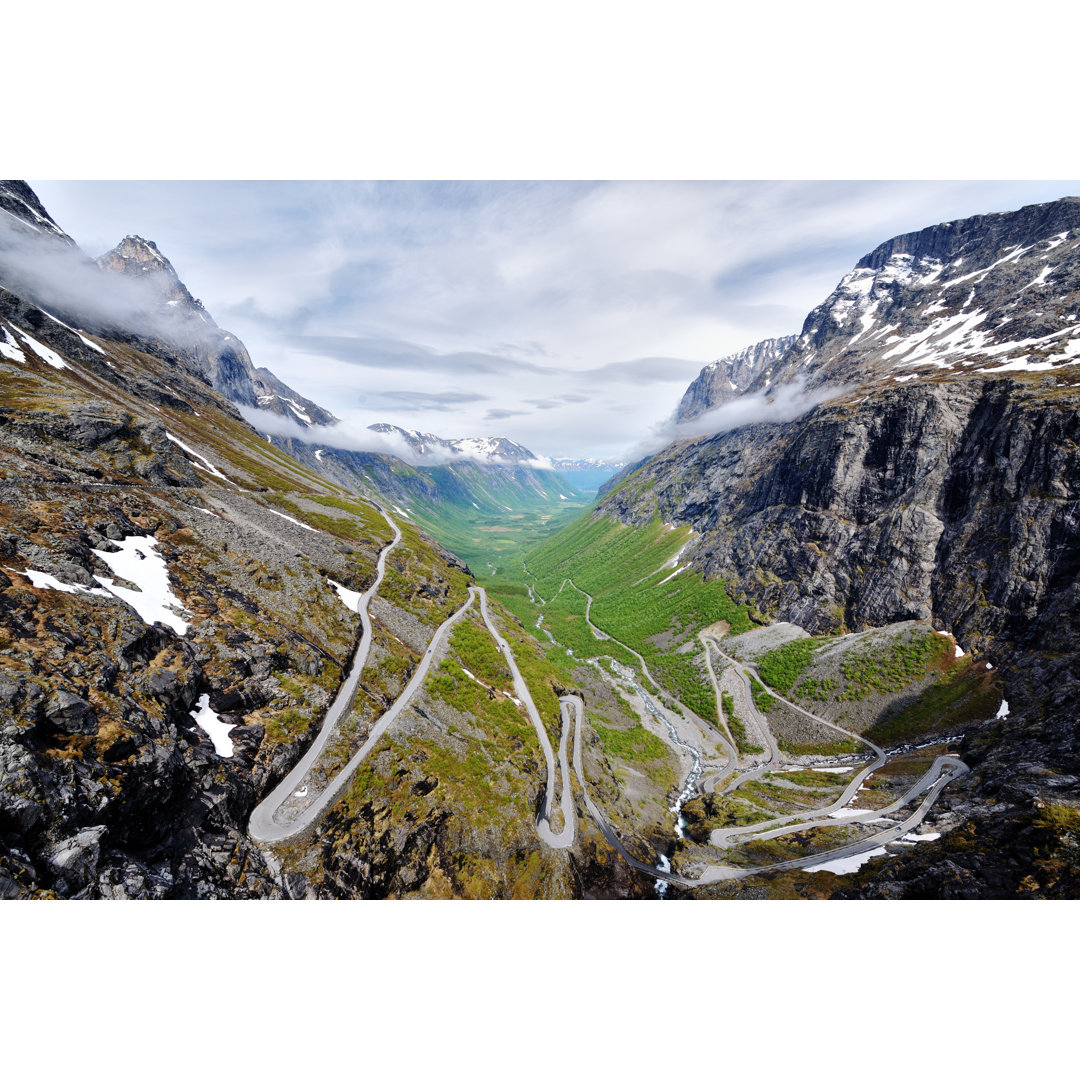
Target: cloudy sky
{"points": [[567, 316]]}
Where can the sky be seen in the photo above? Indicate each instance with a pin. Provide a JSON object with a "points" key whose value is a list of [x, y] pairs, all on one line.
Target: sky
{"points": [[568, 316]]}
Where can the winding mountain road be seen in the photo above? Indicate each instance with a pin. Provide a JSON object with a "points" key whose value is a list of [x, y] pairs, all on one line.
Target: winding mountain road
{"points": [[932, 783], [265, 827], [262, 825], [565, 837]]}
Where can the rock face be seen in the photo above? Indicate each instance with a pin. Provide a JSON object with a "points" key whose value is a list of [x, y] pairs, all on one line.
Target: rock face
{"points": [[992, 294], [219, 356], [21, 205], [942, 482], [731, 376]]}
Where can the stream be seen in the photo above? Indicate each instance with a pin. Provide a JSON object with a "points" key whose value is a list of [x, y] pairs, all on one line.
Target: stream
{"points": [[687, 790]]}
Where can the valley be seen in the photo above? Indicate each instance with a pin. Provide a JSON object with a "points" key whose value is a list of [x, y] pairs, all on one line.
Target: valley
{"points": [[824, 653]]}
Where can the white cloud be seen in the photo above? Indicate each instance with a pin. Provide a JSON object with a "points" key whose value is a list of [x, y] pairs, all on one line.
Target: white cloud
{"points": [[514, 291]]}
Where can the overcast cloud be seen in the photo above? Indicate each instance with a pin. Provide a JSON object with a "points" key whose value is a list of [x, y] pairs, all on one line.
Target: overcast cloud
{"points": [[567, 316]]}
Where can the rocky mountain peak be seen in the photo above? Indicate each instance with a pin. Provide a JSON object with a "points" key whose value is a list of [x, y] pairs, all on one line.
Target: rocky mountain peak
{"points": [[730, 376], [141, 258], [991, 294]]}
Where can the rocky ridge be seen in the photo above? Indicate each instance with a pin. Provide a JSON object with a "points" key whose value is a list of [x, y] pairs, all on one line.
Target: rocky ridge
{"points": [[992, 294], [730, 376], [220, 356], [494, 450]]}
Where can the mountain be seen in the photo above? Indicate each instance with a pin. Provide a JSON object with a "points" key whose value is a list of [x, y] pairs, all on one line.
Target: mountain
{"points": [[133, 295], [491, 450], [730, 376], [993, 294], [587, 474], [939, 486], [481, 497], [220, 356], [180, 605]]}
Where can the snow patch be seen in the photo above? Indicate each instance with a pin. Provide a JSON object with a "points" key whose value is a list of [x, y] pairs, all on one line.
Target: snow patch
{"points": [[670, 576], [212, 724], [9, 347], [152, 598], [40, 580], [85, 341], [206, 466], [348, 597], [43, 351], [846, 865], [292, 519]]}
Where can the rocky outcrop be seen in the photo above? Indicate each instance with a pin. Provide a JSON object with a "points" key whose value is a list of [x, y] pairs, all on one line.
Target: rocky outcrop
{"points": [[731, 376], [957, 501], [181, 321]]}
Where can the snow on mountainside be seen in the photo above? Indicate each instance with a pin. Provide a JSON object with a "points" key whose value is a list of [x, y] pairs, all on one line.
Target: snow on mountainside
{"points": [[729, 376], [492, 450], [991, 294], [21, 205]]}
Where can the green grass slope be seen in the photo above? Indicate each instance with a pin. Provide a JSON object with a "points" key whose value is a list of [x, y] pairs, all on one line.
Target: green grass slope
{"points": [[639, 598]]}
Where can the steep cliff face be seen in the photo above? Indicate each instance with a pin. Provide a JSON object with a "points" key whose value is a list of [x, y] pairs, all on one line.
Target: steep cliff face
{"points": [[951, 501], [217, 355], [941, 482], [730, 376]]}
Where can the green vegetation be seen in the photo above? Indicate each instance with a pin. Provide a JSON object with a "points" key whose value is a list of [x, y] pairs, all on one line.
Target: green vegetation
{"points": [[478, 652], [285, 726], [822, 749], [809, 778], [452, 685], [781, 667], [636, 599], [888, 667], [762, 698], [488, 536], [636, 744], [965, 695], [411, 565], [817, 689]]}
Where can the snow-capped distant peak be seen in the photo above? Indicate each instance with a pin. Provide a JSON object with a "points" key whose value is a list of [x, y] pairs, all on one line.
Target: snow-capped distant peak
{"points": [[493, 449]]}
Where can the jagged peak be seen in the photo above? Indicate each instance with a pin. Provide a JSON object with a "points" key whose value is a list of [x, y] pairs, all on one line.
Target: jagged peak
{"points": [[135, 248], [945, 240]]}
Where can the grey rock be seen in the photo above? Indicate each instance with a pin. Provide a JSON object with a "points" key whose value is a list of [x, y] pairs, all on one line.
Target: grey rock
{"points": [[731, 376], [75, 860], [71, 713]]}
